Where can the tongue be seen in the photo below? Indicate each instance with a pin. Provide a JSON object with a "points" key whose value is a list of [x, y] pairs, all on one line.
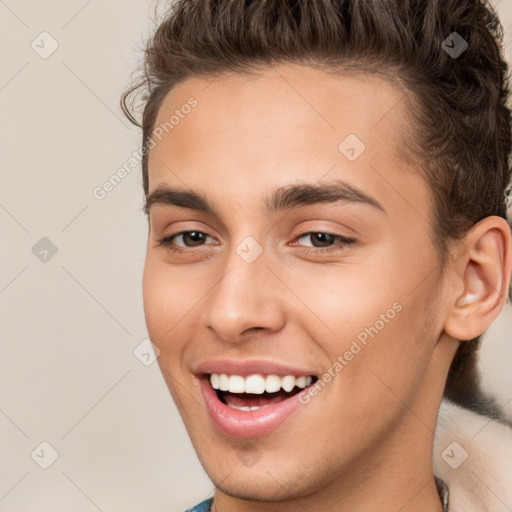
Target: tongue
{"points": [[253, 400]]}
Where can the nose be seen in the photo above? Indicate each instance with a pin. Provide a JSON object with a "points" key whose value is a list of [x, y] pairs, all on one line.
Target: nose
{"points": [[245, 298]]}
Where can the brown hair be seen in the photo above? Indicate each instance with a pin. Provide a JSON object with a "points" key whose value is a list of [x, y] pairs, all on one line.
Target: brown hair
{"points": [[461, 124]]}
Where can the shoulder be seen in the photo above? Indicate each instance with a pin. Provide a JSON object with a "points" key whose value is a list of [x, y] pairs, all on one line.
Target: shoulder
{"points": [[472, 456], [204, 506]]}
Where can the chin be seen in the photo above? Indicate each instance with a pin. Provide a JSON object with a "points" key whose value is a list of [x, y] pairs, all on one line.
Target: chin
{"points": [[263, 482], [258, 489]]}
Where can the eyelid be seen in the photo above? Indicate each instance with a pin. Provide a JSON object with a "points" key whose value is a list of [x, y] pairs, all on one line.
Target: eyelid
{"points": [[315, 229], [180, 227], [307, 230]]}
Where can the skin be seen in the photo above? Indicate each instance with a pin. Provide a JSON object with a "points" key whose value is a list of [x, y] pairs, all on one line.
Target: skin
{"points": [[365, 441]]}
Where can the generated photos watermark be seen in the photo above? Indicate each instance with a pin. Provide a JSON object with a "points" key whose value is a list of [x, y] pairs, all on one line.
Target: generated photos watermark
{"points": [[101, 191], [357, 345]]}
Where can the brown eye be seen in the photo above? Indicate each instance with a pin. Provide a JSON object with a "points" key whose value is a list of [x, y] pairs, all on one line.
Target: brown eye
{"points": [[321, 240], [194, 237], [189, 239]]}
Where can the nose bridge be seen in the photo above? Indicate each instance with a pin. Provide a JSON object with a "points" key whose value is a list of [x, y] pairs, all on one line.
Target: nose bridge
{"points": [[243, 298]]}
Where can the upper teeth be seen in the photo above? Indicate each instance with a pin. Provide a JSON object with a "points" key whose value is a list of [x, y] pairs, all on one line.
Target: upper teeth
{"points": [[257, 383]]}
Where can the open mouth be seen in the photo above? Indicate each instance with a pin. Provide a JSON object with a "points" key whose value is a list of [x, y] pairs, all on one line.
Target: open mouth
{"points": [[253, 392], [254, 404]]}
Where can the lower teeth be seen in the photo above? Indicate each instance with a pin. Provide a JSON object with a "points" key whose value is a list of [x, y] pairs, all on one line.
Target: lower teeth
{"points": [[246, 408]]}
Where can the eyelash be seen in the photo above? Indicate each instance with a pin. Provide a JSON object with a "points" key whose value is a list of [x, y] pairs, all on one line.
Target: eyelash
{"points": [[167, 242]]}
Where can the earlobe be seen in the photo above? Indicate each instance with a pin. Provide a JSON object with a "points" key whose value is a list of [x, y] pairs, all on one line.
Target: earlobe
{"points": [[484, 270]]}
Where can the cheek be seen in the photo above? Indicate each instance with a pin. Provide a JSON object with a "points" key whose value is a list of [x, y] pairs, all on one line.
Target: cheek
{"points": [[372, 321], [342, 301], [396, 355], [168, 302], [154, 290]]}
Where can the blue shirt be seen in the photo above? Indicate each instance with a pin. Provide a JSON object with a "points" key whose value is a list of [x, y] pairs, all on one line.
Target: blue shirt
{"points": [[204, 506]]}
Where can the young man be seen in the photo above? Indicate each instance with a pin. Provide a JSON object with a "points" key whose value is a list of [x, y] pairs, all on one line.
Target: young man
{"points": [[325, 188]]}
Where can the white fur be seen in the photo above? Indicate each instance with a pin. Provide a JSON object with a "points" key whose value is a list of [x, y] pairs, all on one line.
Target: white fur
{"points": [[483, 482]]}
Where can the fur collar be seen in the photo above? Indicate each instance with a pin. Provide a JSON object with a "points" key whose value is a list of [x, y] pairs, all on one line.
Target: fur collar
{"points": [[473, 456]]}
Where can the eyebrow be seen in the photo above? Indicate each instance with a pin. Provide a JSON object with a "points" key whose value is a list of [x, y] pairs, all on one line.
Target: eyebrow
{"points": [[290, 196]]}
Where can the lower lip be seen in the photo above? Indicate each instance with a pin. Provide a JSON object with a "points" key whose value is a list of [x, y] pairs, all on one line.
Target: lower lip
{"points": [[246, 424]]}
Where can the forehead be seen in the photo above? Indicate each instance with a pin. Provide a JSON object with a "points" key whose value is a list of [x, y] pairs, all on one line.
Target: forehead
{"points": [[282, 124], [314, 101]]}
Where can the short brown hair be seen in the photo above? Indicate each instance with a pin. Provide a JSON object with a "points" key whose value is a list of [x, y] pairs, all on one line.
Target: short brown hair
{"points": [[461, 124]]}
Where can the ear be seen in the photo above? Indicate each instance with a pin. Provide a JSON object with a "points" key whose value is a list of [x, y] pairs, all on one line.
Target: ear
{"points": [[481, 274]]}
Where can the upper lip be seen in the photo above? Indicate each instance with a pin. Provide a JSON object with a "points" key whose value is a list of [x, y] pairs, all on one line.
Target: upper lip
{"points": [[245, 367]]}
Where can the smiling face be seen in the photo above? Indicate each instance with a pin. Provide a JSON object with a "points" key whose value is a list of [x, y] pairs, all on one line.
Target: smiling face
{"points": [[308, 254]]}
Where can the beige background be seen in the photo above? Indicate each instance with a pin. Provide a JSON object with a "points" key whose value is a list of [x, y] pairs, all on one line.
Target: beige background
{"points": [[69, 325]]}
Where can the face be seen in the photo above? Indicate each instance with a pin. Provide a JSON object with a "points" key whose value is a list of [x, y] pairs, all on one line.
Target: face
{"points": [[309, 256]]}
